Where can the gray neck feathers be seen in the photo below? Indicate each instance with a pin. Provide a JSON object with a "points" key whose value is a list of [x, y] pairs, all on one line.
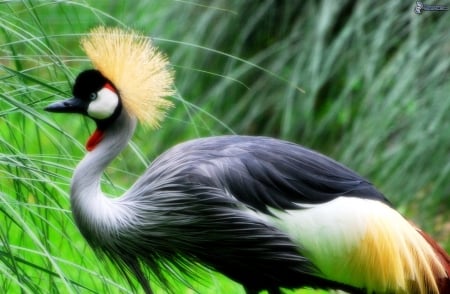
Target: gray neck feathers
{"points": [[96, 215]]}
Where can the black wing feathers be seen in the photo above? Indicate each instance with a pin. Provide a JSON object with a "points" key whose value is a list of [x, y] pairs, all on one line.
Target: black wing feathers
{"points": [[264, 172]]}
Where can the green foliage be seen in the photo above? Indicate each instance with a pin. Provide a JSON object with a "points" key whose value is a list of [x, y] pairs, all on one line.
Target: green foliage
{"points": [[365, 83]]}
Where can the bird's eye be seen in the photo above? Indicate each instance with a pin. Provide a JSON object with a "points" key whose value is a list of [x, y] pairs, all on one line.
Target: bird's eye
{"points": [[93, 96]]}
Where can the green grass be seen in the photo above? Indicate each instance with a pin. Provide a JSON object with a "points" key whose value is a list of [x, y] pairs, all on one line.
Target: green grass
{"points": [[364, 83]]}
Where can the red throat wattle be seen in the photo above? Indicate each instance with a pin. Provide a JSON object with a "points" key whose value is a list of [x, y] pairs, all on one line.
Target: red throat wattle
{"points": [[94, 139]]}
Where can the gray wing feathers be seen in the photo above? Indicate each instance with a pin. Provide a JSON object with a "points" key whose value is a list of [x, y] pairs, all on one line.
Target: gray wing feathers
{"points": [[261, 172]]}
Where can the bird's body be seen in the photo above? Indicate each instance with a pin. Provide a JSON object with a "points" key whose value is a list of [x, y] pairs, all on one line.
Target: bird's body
{"points": [[223, 201], [267, 213]]}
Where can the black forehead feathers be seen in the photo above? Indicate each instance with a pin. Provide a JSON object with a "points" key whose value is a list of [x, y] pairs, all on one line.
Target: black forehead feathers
{"points": [[87, 82]]}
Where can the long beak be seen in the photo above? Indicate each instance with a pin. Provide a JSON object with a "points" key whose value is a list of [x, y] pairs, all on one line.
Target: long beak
{"points": [[72, 105]]}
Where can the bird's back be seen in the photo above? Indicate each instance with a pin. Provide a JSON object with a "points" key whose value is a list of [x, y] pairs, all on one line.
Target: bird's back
{"points": [[261, 172]]}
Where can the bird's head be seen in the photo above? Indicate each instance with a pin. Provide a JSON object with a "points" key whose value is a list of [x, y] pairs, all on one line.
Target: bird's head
{"points": [[94, 96], [130, 75]]}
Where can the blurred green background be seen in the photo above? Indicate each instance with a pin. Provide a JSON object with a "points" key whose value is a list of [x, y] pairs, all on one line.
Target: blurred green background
{"points": [[364, 82]]}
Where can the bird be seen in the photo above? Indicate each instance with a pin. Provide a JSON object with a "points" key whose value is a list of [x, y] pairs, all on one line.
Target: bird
{"points": [[267, 213]]}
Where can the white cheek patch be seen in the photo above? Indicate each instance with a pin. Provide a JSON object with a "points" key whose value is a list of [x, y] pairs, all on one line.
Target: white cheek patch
{"points": [[105, 104]]}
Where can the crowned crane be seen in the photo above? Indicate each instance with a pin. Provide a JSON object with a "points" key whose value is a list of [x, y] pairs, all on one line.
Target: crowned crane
{"points": [[267, 213]]}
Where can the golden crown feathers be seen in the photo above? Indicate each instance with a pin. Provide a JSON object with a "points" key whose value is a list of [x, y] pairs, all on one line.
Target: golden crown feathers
{"points": [[137, 69]]}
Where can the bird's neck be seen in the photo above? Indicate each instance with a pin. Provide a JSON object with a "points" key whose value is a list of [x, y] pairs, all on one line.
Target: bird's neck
{"points": [[95, 213]]}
